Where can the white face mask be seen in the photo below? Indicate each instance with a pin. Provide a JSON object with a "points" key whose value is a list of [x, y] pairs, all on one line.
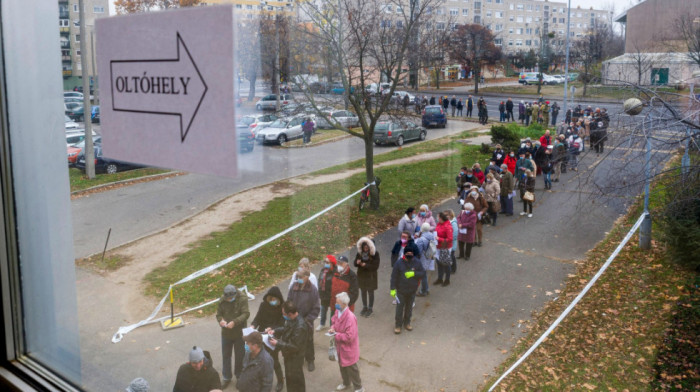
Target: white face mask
{"points": [[474, 194], [341, 269]]}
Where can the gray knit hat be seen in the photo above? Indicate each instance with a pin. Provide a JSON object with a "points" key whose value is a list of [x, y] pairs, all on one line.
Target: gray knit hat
{"points": [[138, 385], [196, 355], [230, 291]]}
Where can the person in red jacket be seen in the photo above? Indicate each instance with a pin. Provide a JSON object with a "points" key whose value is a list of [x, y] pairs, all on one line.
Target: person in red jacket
{"points": [[478, 173], [345, 280], [545, 140], [444, 246], [510, 160]]}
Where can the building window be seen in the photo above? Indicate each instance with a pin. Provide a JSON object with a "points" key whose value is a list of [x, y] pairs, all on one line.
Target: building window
{"points": [[520, 19], [499, 1], [528, 31], [537, 19], [399, 24], [454, 12], [554, 10], [399, 10], [510, 42], [439, 11], [477, 5], [498, 41], [518, 42], [554, 20], [537, 8], [77, 38], [98, 9], [529, 7], [510, 30], [77, 52], [239, 6], [453, 26], [578, 15], [499, 14], [76, 22], [440, 26], [465, 11], [519, 31], [520, 7], [75, 8], [477, 19], [249, 7], [511, 7], [499, 27], [562, 20], [512, 18], [63, 23], [488, 13], [528, 19], [388, 9], [528, 42]]}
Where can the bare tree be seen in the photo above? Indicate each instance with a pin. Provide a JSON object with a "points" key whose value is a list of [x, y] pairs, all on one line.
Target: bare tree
{"points": [[688, 28], [472, 45], [134, 6], [367, 41], [590, 50], [643, 62]]}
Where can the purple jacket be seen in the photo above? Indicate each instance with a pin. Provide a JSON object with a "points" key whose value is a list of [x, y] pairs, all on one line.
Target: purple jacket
{"points": [[347, 340], [467, 221]]}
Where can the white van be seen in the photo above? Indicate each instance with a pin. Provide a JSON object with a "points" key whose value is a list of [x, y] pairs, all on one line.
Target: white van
{"points": [[533, 78]]}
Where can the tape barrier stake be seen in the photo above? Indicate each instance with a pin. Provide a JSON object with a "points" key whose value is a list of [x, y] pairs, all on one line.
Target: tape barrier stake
{"points": [[574, 302], [119, 335]]}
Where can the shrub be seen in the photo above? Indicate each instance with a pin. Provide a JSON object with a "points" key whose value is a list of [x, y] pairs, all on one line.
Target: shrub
{"points": [[485, 149], [506, 136], [679, 220]]}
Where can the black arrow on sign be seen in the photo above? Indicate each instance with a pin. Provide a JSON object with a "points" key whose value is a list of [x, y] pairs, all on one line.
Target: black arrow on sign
{"points": [[173, 87]]}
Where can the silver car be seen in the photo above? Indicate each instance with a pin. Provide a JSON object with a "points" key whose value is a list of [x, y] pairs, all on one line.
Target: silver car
{"points": [[269, 102], [281, 130], [346, 118], [256, 122]]}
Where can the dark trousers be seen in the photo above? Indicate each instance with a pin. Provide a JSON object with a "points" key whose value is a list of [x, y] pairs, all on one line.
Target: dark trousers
{"points": [[492, 213], [444, 271], [404, 308], [294, 373], [351, 374], [509, 115], [237, 346], [526, 205], [465, 249], [527, 120], [310, 353], [598, 145], [554, 118], [307, 137], [277, 366], [469, 111], [367, 293], [507, 205]]}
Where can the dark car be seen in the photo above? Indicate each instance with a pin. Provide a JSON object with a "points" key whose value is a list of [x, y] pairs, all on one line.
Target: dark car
{"points": [[104, 164], [395, 132], [74, 110], [95, 116], [434, 115], [246, 138]]}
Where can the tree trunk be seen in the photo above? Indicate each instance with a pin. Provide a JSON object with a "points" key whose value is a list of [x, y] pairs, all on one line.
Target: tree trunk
{"points": [[585, 80], [251, 90], [539, 83], [437, 78], [369, 171], [477, 74]]}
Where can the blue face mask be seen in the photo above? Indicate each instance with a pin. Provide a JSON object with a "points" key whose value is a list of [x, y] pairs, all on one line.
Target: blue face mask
{"points": [[274, 302], [286, 318], [327, 265], [422, 214], [461, 173], [413, 216], [247, 349], [338, 307], [300, 281]]}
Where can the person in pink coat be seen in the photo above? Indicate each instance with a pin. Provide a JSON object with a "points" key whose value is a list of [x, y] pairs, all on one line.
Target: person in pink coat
{"points": [[425, 216], [466, 222], [347, 343]]}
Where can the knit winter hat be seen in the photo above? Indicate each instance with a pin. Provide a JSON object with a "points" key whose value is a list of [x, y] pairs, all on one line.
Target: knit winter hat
{"points": [[196, 354]]}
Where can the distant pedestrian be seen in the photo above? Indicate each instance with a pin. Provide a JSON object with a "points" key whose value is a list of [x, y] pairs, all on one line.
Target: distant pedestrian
{"points": [[509, 110], [528, 114], [307, 301], [367, 263], [308, 128], [445, 104], [198, 374], [521, 112], [432, 100], [544, 110], [460, 106], [507, 185], [232, 315], [257, 366], [555, 113], [347, 343], [453, 105], [527, 188], [404, 282], [466, 221], [291, 341], [502, 111], [406, 101], [470, 106]]}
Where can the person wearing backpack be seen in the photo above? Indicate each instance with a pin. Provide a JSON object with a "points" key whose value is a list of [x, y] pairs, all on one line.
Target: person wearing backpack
{"points": [[427, 245], [575, 148]]}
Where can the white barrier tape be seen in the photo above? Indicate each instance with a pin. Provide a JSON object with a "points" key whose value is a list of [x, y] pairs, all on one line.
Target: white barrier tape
{"points": [[119, 335], [574, 302]]}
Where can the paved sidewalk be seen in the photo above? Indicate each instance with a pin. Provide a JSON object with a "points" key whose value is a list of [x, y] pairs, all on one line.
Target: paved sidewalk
{"points": [[460, 332]]}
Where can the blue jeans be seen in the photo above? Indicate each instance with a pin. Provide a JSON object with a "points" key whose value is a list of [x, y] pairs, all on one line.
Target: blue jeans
{"points": [[424, 284], [238, 348], [404, 309], [324, 311], [548, 178]]}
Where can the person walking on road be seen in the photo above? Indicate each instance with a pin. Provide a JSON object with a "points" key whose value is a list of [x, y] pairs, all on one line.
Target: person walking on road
{"points": [[470, 106], [444, 246], [308, 304], [408, 222], [466, 221], [527, 187], [198, 374], [367, 263], [428, 261], [403, 285], [480, 207], [453, 105], [325, 284], [291, 340], [507, 185], [492, 190], [257, 366], [232, 316], [509, 110], [425, 216], [347, 343], [270, 316]]}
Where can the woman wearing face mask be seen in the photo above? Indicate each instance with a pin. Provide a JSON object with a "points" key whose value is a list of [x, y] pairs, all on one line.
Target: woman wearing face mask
{"points": [[467, 228], [408, 221], [304, 264], [480, 207], [347, 342], [367, 263], [425, 216], [423, 243], [510, 161], [270, 316], [345, 280], [305, 296], [527, 184], [325, 282], [492, 189], [444, 238]]}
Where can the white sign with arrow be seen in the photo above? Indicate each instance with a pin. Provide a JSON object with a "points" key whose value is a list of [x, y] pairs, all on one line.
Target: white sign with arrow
{"points": [[166, 91]]}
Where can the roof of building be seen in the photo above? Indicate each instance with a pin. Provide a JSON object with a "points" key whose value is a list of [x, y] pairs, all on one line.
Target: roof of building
{"points": [[672, 57]]}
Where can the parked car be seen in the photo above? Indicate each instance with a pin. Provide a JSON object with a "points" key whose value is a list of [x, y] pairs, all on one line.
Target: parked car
{"points": [[106, 165], [73, 99], [70, 124], [269, 102], [560, 78], [75, 151], [320, 87], [377, 88], [256, 122], [394, 132], [246, 138], [434, 115], [338, 89], [346, 118], [281, 131], [72, 94], [74, 137], [74, 110], [95, 116]]}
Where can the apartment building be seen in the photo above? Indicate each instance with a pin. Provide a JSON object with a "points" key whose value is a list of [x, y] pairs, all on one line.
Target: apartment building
{"points": [[252, 9], [69, 31]]}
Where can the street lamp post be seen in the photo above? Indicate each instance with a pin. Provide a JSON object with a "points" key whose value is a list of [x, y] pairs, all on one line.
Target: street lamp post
{"points": [[87, 105], [566, 69]]}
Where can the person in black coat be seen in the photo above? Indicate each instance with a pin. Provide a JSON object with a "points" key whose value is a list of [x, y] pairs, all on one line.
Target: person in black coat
{"points": [[445, 104], [405, 278], [509, 110], [432, 100], [198, 374], [470, 106], [367, 263], [270, 316], [453, 105], [291, 340], [498, 155]]}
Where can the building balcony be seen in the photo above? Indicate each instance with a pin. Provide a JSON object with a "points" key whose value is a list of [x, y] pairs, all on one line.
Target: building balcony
{"points": [[64, 30], [67, 72], [65, 45], [66, 58]]}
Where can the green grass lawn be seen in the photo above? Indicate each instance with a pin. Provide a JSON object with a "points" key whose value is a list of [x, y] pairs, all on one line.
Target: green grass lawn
{"points": [[79, 181], [331, 233]]}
